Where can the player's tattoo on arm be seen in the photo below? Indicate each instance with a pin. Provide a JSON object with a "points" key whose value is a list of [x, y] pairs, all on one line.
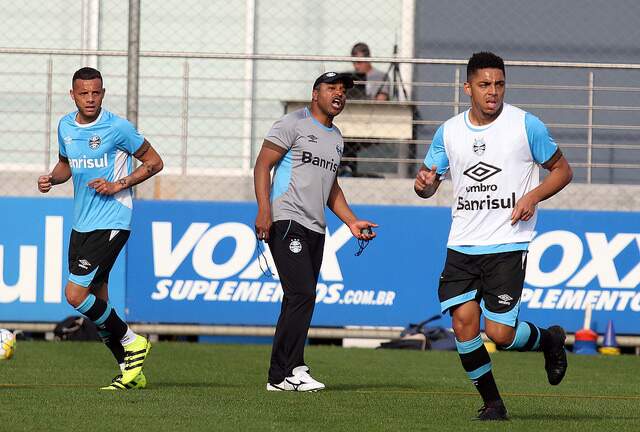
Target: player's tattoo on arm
{"points": [[151, 164], [148, 167]]}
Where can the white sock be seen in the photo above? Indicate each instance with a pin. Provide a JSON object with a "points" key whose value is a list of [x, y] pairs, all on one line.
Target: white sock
{"points": [[121, 366], [128, 337]]}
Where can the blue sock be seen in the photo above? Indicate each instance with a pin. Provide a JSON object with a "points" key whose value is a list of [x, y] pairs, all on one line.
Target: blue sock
{"points": [[528, 337], [114, 345], [110, 327], [477, 363]]}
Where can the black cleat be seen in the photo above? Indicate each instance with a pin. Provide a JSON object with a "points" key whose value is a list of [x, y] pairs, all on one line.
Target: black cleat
{"points": [[555, 357], [493, 411]]}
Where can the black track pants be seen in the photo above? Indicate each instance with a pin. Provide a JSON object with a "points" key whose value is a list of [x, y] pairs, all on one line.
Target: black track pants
{"points": [[297, 253]]}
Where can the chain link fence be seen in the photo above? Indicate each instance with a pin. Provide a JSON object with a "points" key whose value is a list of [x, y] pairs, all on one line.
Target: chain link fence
{"points": [[215, 75]]}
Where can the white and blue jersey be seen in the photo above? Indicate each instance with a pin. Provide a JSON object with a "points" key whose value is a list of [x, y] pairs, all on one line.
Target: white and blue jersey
{"points": [[491, 166], [101, 149]]}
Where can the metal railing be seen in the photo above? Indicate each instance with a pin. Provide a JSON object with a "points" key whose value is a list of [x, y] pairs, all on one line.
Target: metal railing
{"points": [[240, 162]]}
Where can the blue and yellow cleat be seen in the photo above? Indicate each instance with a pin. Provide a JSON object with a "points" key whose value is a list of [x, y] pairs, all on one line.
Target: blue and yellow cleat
{"points": [[138, 382], [135, 354]]}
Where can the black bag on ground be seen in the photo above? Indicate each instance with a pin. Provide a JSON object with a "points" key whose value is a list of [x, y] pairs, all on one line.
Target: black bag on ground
{"points": [[76, 328], [420, 337]]}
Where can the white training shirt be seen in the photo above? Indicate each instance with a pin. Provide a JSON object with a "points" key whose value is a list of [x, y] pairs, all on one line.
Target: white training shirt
{"points": [[492, 167]]}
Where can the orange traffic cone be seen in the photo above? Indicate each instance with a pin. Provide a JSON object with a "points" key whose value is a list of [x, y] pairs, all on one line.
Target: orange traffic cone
{"points": [[586, 339]]}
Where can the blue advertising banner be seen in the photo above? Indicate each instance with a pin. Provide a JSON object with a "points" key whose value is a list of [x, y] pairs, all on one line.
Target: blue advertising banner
{"points": [[34, 237], [581, 258], [199, 262]]}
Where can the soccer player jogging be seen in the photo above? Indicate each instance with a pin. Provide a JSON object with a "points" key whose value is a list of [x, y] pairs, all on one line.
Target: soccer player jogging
{"points": [[306, 148], [493, 151], [95, 149]]}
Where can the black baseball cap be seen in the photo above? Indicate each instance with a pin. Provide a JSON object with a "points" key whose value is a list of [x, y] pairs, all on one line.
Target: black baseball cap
{"points": [[333, 77]]}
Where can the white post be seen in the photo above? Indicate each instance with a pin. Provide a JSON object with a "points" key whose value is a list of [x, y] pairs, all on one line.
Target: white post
{"points": [[590, 129], [456, 93], [407, 46], [90, 29], [406, 50], [185, 118], [48, 116], [249, 86], [587, 317]]}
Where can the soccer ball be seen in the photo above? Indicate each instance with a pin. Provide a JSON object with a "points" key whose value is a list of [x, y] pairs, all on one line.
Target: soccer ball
{"points": [[7, 344]]}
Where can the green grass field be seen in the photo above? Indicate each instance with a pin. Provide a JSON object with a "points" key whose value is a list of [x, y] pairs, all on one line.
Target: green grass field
{"points": [[54, 387]]}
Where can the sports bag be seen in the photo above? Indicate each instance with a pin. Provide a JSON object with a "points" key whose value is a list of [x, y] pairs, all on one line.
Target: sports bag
{"points": [[76, 328], [420, 337]]}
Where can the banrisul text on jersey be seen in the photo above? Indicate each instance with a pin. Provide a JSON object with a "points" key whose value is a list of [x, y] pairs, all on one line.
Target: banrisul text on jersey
{"points": [[308, 157]]}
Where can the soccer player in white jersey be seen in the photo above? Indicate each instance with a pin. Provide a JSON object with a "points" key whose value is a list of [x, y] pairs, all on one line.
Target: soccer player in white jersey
{"points": [[305, 147], [492, 152], [95, 149]]}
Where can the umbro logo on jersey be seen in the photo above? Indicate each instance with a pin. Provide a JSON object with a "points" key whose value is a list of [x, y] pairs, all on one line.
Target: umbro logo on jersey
{"points": [[312, 138], [83, 263], [479, 146], [94, 142], [481, 171], [505, 299], [68, 140]]}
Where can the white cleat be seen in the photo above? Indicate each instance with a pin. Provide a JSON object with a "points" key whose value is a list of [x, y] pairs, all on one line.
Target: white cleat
{"points": [[300, 381], [275, 387]]}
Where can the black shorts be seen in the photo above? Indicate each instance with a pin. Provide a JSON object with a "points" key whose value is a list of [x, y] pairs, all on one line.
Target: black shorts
{"points": [[493, 280], [92, 255]]}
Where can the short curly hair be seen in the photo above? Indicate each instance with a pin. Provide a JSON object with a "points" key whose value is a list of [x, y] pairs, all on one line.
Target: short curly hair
{"points": [[483, 60]]}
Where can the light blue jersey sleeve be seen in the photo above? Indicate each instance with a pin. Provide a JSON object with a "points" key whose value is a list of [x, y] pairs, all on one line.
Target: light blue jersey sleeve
{"points": [[61, 148], [541, 143], [437, 155], [129, 139]]}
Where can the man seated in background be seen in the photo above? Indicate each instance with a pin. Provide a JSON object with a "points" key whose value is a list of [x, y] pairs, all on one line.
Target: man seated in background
{"points": [[377, 85], [370, 84]]}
